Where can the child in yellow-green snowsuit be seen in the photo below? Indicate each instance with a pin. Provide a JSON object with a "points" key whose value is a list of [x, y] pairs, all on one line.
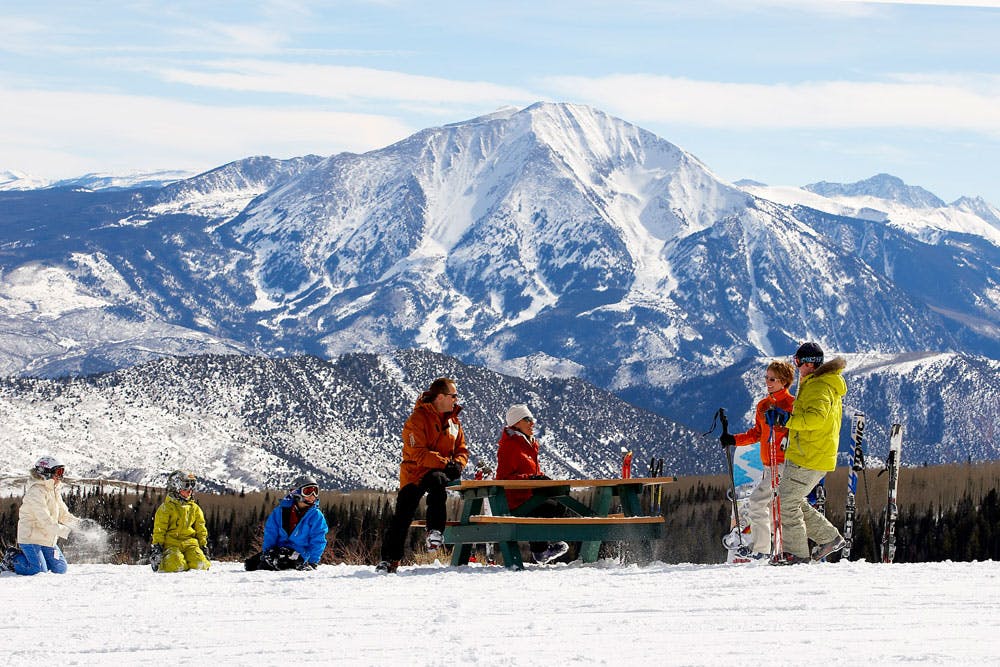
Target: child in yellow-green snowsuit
{"points": [[179, 534]]}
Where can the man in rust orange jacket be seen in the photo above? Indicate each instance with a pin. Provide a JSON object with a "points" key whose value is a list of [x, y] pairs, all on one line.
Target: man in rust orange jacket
{"points": [[434, 453]]}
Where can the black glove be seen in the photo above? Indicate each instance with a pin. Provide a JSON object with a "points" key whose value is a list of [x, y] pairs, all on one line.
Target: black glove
{"points": [[540, 477], [453, 470], [776, 416], [304, 565], [155, 556], [727, 440]]}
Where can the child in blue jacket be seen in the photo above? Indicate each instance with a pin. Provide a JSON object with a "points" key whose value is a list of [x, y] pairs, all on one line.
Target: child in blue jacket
{"points": [[294, 533]]}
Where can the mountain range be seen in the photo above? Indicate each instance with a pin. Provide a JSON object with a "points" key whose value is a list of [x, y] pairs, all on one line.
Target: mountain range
{"points": [[553, 241], [245, 422], [16, 180]]}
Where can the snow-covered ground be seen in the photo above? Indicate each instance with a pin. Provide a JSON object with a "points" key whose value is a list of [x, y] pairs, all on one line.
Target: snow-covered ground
{"points": [[605, 613]]}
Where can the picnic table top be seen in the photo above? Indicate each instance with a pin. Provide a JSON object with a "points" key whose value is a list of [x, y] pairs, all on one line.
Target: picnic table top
{"points": [[547, 483]]}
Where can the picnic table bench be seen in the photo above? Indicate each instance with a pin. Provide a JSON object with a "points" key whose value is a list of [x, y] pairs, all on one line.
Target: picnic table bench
{"points": [[592, 525]]}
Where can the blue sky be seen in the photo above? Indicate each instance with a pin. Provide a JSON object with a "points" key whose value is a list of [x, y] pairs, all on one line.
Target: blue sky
{"points": [[782, 92]]}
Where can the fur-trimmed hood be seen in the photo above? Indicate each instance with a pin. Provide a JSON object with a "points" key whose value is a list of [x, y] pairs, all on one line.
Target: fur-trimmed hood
{"points": [[836, 364]]}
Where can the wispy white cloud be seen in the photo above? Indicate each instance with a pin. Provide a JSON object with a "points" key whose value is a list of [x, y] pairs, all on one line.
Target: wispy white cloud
{"points": [[233, 38], [343, 83], [942, 3], [858, 9], [100, 132], [928, 102]]}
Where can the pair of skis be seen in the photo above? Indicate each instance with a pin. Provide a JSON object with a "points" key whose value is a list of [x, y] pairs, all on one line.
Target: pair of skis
{"points": [[655, 492], [891, 508]]}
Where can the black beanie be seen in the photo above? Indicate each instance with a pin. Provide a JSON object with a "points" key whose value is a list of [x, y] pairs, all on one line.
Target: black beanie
{"points": [[809, 353]]}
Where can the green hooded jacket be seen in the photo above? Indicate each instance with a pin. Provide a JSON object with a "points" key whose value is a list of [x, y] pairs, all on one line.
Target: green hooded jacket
{"points": [[179, 524], [814, 427]]}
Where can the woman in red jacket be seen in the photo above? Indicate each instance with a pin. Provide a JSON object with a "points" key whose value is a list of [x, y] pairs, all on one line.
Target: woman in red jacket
{"points": [[517, 458], [778, 377]]}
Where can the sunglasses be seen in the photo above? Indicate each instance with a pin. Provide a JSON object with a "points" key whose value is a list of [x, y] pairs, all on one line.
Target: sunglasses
{"points": [[768, 378], [455, 396], [58, 472], [528, 419], [311, 490]]}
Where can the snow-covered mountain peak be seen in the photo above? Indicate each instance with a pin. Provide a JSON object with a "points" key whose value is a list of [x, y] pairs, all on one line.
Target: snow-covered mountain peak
{"points": [[885, 187], [18, 180], [979, 207], [125, 181], [225, 191], [507, 177], [887, 199], [501, 113]]}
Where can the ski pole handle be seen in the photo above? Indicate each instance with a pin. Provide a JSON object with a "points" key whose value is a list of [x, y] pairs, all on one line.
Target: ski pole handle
{"points": [[724, 421]]}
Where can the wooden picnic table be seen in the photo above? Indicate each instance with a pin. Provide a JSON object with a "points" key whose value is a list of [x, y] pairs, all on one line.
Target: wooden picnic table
{"points": [[591, 525]]}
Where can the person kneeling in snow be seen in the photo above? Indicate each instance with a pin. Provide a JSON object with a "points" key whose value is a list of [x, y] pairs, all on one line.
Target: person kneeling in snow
{"points": [[294, 533], [42, 520], [179, 533]]}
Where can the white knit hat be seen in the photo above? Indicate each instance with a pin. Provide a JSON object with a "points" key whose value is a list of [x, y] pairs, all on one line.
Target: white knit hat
{"points": [[517, 412]]}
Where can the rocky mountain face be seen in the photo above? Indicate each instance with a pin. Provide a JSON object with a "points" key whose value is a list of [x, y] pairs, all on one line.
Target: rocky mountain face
{"points": [[244, 422], [253, 422], [546, 242]]}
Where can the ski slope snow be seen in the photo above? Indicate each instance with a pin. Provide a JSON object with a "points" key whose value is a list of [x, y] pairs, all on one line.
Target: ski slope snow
{"points": [[605, 613]]}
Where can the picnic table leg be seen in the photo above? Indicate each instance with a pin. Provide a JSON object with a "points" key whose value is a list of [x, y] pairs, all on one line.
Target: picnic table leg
{"points": [[461, 552], [602, 505], [631, 502], [511, 552]]}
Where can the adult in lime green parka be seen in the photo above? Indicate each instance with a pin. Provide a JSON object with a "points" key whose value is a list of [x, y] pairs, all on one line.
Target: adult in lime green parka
{"points": [[813, 437], [814, 427], [179, 533]]}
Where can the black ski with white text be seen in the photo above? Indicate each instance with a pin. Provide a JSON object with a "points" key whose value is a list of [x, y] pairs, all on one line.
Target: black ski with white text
{"points": [[891, 509], [857, 463]]}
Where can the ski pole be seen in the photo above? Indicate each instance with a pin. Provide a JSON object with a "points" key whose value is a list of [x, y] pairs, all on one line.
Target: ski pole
{"points": [[732, 476], [720, 416], [659, 487], [772, 417]]}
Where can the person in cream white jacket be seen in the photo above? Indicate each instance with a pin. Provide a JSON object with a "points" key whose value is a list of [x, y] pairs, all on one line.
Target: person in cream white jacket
{"points": [[42, 520]]}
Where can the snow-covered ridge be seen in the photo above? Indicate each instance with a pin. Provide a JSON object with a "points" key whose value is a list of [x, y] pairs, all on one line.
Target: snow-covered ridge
{"points": [[104, 181], [17, 180], [14, 180], [924, 215]]}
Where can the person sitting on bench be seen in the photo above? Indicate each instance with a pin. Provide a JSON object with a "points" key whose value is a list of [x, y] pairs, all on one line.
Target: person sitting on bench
{"points": [[517, 458]]}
